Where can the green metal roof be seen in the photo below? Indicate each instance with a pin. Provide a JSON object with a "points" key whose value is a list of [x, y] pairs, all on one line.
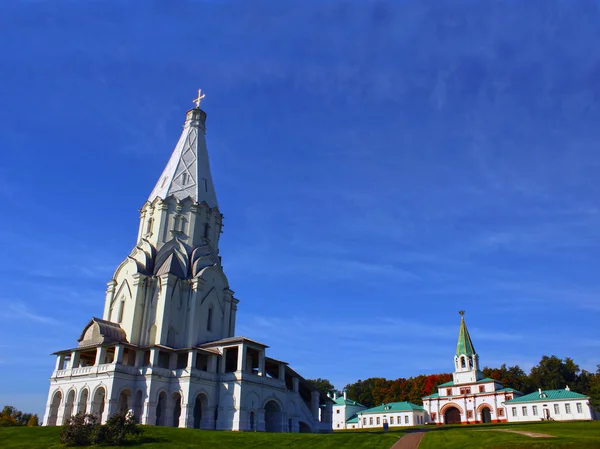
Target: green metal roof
{"points": [[507, 390], [464, 345], [432, 396], [485, 379], [342, 401], [547, 395], [353, 420], [393, 407]]}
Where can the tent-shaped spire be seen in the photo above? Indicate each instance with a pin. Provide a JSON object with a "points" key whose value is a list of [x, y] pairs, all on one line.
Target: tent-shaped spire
{"points": [[464, 345], [187, 173]]}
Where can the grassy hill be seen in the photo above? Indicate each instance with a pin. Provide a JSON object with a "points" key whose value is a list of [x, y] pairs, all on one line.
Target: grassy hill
{"points": [[169, 437]]}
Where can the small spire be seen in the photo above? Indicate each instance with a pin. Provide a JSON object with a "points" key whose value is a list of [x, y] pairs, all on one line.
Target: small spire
{"points": [[199, 99], [464, 345]]}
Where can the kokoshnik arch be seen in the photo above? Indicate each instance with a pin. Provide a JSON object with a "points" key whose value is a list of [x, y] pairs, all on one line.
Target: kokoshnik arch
{"points": [[165, 346]]}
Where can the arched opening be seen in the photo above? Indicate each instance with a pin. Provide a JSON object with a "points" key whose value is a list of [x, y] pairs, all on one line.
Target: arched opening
{"points": [[69, 405], [486, 415], [161, 409], [199, 407], [463, 362], [98, 403], [54, 406], [137, 407], [452, 416], [272, 417], [124, 402], [304, 428], [176, 409], [252, 421], [83, 400]]}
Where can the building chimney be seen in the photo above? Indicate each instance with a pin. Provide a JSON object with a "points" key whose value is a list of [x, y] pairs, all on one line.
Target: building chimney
{"points": [[567, 388], [334, 395], [345, 395], [540, 392]]}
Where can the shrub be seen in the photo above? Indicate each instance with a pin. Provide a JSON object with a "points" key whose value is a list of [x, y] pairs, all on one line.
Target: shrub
{"points": [[118, 428], [33, 421], [80, 430]]}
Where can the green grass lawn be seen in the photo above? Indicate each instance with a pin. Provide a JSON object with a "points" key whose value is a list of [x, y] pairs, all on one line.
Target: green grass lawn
{"points": [[168, 437], [583, 434]]}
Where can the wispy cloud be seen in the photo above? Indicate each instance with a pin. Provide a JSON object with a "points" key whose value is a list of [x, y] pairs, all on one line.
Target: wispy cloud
{"points": [[18, 310]]}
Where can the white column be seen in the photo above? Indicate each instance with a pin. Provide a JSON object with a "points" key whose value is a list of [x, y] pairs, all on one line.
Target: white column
{"points": [[261, 363], [212, 363], [223, 358], [100, 355], [60, 362], [241, 361], [281, 374], [296, 384], [149, 414], [154, 357], [191, 360], [74, 363], [173, 360], [139, 358], [314, 404], [118, 354]]}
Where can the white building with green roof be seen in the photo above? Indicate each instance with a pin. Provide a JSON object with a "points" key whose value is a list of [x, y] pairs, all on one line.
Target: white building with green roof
{"points": [[469, 397], [345, 412], [394, 414], [558, 405]]}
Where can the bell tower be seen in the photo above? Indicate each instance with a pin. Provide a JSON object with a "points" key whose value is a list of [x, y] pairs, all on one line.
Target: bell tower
{"points": [[466, 360]]}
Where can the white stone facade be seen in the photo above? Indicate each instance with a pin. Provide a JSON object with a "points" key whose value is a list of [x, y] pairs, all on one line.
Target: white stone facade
{"points": [[556, 405], [377, 419], [343, 410], [165, 346]]}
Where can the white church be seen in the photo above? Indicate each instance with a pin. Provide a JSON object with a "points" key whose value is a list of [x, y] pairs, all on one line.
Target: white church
{"points": [[166, 346]]}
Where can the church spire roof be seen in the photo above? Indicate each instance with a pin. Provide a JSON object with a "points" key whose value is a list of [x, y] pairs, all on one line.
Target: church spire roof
{"points": [[464, 345], [187, 173]]}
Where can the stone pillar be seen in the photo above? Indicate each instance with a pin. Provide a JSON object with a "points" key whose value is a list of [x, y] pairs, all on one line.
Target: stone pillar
{"points": [[208, 418], [110, 293], [154, 357], [74, 363], [296, 383], [110, 408], [100, 355], [314, 404], [261, 363], [260, 420], [281, 374], [173, 361], [233, 316], [212, 363], [118, 354], [186, 419], [191, 360], [139, 358], [241, 361], [223, 358], [60, 362], [149, 415]]}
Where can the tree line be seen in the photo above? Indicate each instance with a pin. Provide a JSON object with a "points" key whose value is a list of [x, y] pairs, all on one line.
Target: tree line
{"points": [[10, 416], [551, 373]]}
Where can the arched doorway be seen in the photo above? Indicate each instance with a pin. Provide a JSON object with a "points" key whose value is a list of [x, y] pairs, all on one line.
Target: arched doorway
{"points": [[252, 421], [452, 416], [98, 403], [69, 405], [486, 415], [272, 417], [176, 409], [83, 400], [54, 406], [124, 402], [161, 409], [199, 407]]}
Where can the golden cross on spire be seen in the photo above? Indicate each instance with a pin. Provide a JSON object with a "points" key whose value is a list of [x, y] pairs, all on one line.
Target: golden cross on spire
{"points": [[199, 99], [461, 313]]}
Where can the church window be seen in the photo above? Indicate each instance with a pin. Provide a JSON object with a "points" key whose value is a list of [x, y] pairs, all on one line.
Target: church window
{"points": [[391, 420], [149, 225], [482, 388], [121, 307], [470, 414], [378, 420], [209, 319], [514, 411], [433, 416], [534, 410], [184, 178], [405, 419], [556, 410], [579, 408], [364, 421], [371, 421], [205, 185], [524, 411], [567, 408], [448, 391], [500, 412], [463, 362]]}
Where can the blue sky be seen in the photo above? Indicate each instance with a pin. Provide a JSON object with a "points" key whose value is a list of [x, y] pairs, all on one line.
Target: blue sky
{"points": [[380, 166]]}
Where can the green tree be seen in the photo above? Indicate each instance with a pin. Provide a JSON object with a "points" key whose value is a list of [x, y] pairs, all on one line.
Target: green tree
{"points": [[323, 385], [33, 421], [552, 373]]}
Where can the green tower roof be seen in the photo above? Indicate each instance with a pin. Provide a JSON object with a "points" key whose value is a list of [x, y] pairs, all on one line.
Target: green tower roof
{"points": [[464, 345]]}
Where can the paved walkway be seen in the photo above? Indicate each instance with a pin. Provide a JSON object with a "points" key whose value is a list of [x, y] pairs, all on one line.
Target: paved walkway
{"points": [[521, 432], [409, 441]]}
